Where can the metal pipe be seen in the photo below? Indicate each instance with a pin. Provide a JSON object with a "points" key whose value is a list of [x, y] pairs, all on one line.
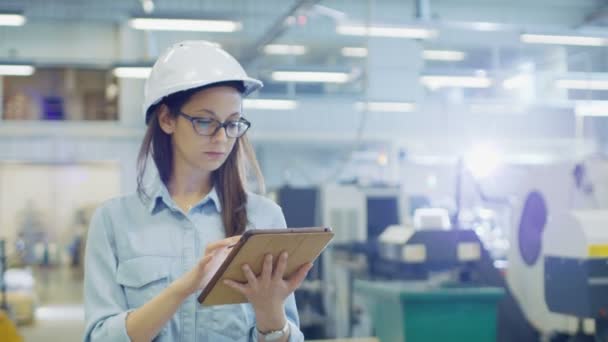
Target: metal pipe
{"points": [[423, 9]]}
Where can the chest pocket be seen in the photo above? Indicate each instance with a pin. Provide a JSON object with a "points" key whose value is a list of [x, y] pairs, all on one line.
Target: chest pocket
{"points": [[143, 278]]}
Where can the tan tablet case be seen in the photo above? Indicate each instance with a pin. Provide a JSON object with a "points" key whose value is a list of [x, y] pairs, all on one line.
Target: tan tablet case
{"points": [[303, 245]]}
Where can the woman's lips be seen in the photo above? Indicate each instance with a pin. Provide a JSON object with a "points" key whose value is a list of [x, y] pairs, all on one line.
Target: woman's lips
{"points": [[214, 155]]}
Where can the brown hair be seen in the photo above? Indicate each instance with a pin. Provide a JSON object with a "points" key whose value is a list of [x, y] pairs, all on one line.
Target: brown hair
{"points": [[229, 179]]}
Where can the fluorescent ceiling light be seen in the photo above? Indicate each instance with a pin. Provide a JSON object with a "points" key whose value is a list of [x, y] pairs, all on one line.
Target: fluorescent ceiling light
{"points": [[310, 76], [483, 160], [132, 72], [591, 108], [166, 24], [16, 70], [486, 26], [436, 82], [354, 51], [270, 104], [402, 107], [517, 81], [281, 49], [11, 19], [443, 55], [563, 40], [385, 31], [582, 84]]}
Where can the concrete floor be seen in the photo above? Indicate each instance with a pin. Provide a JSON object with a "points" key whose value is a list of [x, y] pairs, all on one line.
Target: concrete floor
{"points": [[59, 313]]}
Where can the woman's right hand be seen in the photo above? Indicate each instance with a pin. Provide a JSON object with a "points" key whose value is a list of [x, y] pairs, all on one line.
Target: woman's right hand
{"points": [[192, 281]]}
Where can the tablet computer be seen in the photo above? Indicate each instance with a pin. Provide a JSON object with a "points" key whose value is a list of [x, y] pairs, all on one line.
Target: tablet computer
{"points": [[303, 245]]}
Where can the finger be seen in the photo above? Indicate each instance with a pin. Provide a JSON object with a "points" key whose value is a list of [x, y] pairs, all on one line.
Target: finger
{"points": [[203, 263], [296, 279], [236, 286], [267, 268], [251, 278], [279, 271], [221, 243]]}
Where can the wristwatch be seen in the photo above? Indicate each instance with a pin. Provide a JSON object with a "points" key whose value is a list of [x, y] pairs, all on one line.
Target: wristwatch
{"points": [[275, 335]]}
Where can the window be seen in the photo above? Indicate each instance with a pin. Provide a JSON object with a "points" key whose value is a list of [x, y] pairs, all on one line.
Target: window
{"points": [[63, 94]]}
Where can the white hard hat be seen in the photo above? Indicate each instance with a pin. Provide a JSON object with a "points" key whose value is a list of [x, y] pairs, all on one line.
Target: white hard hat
{"points": [[192, 64]]}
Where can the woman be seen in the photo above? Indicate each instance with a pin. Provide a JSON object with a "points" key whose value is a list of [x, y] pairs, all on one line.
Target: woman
{"points": [[147, 253]]}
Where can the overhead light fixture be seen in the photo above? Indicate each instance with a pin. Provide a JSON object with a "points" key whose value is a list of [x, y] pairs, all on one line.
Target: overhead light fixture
{"points": [[483, 160], [398, 107], [437, 82], [354, 51], [270, 104], [310, 76], [387, 31], [443, 55], [517, 81], [167, 24], [281, 49], [591, 108], [487, 26], [132, 72], [11, 19], [563, 39], [16, 70], [577, 84]]}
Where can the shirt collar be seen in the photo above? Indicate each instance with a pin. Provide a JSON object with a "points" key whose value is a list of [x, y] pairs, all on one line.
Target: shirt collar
{"points": [[160, 194]]}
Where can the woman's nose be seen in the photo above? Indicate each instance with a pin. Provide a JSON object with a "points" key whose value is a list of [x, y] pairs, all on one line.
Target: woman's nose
{"points": [[220, 135]]}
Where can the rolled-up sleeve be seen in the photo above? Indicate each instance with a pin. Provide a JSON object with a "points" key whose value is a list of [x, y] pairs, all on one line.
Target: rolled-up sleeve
{"points": [[291, 310], [104, 300]]}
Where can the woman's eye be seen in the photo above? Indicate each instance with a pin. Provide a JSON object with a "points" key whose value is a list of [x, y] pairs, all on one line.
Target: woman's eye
{"points": [[204, 122]]}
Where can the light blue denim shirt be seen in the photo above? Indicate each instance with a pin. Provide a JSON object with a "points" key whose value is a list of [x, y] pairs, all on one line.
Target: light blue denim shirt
{"points": [[136, 248]]}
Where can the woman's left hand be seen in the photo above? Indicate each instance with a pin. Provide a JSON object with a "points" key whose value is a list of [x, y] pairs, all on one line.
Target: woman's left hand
{"points": [[268, 291]]}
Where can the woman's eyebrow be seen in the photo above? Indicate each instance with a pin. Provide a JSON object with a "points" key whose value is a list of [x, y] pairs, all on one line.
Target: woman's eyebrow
{"points": [[209, 111]]}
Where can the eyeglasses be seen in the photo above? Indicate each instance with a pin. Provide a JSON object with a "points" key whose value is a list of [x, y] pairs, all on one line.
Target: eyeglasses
{"points": [[210, 127]]}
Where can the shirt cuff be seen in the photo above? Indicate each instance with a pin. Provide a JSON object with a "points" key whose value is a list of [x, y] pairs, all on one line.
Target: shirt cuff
{"points": [[295, 335], [116, 327]]}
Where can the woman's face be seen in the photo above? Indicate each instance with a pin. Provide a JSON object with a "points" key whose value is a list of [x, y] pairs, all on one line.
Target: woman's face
{"points": [[204, 153]]}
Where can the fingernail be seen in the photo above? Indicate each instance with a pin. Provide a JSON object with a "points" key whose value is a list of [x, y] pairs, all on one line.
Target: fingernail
{"points": [[284, 255]]}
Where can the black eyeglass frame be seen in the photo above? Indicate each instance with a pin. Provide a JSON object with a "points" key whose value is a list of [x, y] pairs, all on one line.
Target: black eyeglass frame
{"points": [[220, 125]]}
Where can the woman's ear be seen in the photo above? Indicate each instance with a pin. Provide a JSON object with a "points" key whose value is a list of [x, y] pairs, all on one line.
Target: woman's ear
{"points": [[165, 120]]}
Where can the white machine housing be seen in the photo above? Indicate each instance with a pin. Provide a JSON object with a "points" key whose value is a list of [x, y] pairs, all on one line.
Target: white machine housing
{"points": [[566, 233]]}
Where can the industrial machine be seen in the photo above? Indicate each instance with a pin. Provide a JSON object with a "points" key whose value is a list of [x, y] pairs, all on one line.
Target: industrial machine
{"points": [[555, 278], [555, 250], [430, 250], [576, 262], [559, 250], [399, 251]]}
